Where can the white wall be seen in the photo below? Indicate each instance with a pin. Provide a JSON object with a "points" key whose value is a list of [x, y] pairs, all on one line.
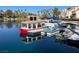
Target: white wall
{"points": [[77, 14]]}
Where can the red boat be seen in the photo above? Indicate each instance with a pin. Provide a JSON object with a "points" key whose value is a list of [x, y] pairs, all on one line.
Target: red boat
{"points": [[33, 26]]}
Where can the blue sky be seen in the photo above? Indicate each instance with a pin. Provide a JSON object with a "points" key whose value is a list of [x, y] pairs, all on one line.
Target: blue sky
{"points": [[33, 9]]}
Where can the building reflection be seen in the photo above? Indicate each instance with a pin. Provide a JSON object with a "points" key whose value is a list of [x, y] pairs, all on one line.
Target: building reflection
{"points": [[30, 39], [9, 24]]}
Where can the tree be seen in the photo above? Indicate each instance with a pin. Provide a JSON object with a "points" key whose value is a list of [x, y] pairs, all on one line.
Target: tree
{"points": [[1, 13], [69, 8], [56, 12], [45, 13], [9, 13]]}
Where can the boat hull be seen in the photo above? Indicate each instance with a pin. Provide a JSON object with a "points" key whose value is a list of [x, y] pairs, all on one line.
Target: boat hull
{"points": [[31, 32], [73, 43]]}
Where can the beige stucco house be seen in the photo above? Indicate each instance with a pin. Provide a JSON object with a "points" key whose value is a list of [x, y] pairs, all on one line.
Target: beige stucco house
{"points": [[70, 13]]}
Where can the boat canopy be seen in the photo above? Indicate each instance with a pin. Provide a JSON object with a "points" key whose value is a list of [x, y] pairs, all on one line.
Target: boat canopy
{"points": [[51, 27], [31, 22]]}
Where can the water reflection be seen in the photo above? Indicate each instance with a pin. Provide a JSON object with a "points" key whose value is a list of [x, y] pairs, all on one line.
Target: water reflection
{"points": [[9, 25], [72, 43], [30, 39]]}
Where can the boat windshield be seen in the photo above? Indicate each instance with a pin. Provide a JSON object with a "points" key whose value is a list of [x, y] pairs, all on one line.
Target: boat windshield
{"points": [[24, 25], [34, 26], [39, 25], [29, 25]]}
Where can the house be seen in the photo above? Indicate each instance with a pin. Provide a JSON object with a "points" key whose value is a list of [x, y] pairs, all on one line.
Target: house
{"points": [[1, 14], [70, 13]]}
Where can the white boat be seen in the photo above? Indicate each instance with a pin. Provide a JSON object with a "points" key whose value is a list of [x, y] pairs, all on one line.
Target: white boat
{"points": [[75, 35], [51, 29], [71, 30]]}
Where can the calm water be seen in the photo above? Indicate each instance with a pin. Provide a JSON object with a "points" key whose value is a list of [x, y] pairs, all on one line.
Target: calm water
{"points": [[11, 40]]}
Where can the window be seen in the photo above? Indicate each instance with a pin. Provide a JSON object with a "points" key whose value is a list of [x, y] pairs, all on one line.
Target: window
{"points": [[66, 16], [34, 39], [29, 39], [29, 25], [39, 25], [34, 26], [31, 18], [24, 25], [43, 24], [39, 37], [34, 18]]}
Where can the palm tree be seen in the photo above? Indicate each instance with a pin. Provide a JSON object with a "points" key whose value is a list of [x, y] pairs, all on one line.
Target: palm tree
{"points": [[44, 13], [38, 13], [56, 12]]}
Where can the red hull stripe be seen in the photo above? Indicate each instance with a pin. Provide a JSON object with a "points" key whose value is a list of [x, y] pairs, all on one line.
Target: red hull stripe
{"points": [[24, 30]]}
